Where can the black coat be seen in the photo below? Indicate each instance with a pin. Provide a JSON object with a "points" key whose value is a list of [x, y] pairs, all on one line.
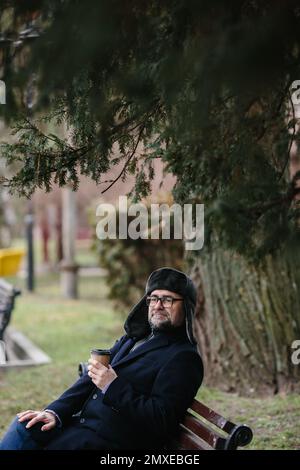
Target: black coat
{"points": [[142, 407]]}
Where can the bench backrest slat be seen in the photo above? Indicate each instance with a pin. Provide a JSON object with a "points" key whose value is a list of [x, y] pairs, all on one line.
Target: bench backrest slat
{"points": [[200, 429], [212, 416], [189, 441]]}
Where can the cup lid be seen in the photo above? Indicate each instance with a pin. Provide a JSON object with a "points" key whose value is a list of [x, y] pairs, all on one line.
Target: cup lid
{"points": [[101, 352]]}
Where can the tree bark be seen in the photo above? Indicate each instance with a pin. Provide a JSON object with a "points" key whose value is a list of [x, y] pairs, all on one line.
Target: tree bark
{"points": [[246, 321]]}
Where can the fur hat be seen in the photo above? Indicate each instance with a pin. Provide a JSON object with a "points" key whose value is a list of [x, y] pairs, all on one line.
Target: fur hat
{"points": [[137, 324]]}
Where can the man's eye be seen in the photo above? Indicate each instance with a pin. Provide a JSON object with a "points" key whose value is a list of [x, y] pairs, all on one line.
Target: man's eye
{"points": [[168, 299]]}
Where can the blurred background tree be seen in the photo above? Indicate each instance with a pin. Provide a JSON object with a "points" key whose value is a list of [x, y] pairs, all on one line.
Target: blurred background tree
{"points": [[128, 262], [205, 87]]}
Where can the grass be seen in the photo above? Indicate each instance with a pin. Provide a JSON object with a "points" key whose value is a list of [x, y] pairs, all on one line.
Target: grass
{"points": [[274, 420], [67, 329]]}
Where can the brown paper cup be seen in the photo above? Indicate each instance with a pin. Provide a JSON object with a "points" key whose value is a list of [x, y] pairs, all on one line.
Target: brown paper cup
{"points": [[101, 355]]}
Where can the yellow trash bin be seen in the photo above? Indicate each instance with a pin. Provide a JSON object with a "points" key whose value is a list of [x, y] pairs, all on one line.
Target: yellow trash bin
{"points": [[10, 261]]}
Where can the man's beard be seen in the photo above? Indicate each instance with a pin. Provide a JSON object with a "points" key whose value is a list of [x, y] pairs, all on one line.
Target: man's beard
{"points": [[162, 326]]}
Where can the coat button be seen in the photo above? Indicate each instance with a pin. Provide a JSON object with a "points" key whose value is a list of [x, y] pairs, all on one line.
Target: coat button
{"points": [[82, 420], [95, 396]]}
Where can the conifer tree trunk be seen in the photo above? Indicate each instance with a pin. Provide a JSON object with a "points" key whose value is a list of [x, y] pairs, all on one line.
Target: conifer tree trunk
{"points": [[246, 321]]}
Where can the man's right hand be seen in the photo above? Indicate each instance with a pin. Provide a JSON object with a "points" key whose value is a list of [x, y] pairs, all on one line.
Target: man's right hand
{"points": [[36, 416]]}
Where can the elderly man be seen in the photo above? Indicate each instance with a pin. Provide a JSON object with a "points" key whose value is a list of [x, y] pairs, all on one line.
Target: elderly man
{"points": [[140, 399]]}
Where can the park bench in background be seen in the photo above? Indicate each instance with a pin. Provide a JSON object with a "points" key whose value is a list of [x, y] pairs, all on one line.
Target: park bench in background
{"points": [[205, 429], [8, 294]]}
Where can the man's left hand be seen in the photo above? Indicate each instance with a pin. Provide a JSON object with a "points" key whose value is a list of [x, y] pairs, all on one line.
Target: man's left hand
{"points": [[100, 374]]}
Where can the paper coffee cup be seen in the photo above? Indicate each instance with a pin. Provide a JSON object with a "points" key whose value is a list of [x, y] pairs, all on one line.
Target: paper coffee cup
{"points": [[101, 355]]}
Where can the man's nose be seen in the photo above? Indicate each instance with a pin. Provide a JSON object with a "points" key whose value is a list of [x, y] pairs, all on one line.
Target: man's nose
{"points": [[159, 304]]}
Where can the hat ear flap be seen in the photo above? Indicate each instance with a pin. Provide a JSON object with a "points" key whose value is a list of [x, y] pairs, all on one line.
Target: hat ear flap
{"points": [[189, 315], [137, 325]]}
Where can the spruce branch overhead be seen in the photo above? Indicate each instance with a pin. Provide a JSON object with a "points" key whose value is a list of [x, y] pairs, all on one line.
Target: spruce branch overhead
{"points": [[204, 86]]}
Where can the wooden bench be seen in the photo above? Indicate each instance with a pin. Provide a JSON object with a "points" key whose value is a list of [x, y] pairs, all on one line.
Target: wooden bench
{"points": [[205, 429], [8, 293]]}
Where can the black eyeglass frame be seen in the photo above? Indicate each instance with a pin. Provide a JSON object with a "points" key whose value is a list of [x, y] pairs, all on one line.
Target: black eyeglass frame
{"points": [[162, 299]]}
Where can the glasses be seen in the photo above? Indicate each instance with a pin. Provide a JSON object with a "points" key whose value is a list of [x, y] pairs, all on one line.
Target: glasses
{"points": [[166, 300]]}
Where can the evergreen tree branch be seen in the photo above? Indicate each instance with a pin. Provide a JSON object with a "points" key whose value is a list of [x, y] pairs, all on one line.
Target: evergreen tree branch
{"points": [[138, 140]]}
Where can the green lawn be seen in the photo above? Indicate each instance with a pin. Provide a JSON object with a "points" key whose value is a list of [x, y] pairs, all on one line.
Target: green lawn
{"points": [[67, 329]]}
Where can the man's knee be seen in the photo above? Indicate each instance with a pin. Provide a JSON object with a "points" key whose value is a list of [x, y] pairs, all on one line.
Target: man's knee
{"points": [[20, 426], [24, 433], [17, 437]]}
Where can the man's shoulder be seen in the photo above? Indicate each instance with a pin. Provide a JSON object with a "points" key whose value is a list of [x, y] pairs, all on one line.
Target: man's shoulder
{"points": [[184, 347], [188, 355]]}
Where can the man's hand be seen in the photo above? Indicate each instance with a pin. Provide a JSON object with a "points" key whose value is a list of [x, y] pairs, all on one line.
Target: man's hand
{"points": [[36, 416], [100, 374]]}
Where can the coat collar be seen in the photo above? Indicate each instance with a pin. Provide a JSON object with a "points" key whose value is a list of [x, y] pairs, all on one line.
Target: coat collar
{"points": [[160, 340]]}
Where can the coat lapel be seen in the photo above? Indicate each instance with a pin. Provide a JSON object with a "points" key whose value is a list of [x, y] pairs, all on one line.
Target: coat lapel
{"points": [[154, 343], [124, 348]]}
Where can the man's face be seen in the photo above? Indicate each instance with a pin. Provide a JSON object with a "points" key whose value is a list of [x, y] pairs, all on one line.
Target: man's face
{"points": [[165, 318]]}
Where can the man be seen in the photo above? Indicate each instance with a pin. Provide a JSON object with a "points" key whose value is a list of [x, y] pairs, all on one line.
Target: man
{"points": [[140, 399]]}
